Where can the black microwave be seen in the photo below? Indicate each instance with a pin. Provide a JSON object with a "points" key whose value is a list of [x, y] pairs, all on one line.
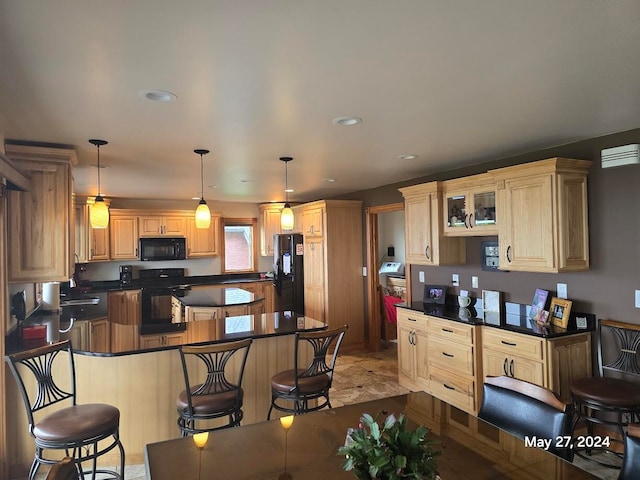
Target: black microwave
{"points": [[162, 248]]}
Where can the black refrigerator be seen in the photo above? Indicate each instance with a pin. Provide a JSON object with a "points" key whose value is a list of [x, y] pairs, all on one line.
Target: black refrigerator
{"points": [[288, 269]]}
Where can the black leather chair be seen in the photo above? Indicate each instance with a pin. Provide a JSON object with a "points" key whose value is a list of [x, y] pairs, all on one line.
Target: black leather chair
{"points": [[611, 399], [292, 390], [527, 410], [217, 395], [631, 463], [85, 432], [65, 469]]}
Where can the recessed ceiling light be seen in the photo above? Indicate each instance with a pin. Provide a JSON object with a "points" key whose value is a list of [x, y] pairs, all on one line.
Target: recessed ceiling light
{"points": [[289, 190], [329, 180], [195, 198], [347, 121], [158, 95], [407, 157]]}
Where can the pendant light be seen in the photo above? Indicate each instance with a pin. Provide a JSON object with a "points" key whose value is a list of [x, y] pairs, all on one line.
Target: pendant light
{"points": [[286, 216], [203, 215], [99, 212]]}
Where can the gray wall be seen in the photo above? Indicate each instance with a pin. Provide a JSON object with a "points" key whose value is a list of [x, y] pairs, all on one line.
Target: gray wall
{"points": [[607, 289]]}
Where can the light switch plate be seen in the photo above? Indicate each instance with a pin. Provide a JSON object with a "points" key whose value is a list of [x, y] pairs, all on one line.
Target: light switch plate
{"points": [[455, 279], [364, 271], [474, 282], [421, 276], [561, 289], [637, 298]]}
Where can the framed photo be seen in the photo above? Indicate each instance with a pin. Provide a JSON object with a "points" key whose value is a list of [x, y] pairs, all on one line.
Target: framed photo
{"points": [[538, 303], [434, 294], [559, 312]]}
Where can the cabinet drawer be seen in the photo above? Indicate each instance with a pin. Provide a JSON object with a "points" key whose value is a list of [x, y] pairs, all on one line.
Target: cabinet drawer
{"points": [[409, 317], [453, 389], [513, 343], [455, 331], [450, 356]]}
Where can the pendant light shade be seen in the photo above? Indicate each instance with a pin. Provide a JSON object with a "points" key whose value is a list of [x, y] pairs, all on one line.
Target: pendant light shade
{"points": [[203, 215], [286, 216], [99, 211]]}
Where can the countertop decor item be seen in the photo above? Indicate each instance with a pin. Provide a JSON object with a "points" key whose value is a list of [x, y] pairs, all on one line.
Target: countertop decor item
{"points": [[390, 451]]}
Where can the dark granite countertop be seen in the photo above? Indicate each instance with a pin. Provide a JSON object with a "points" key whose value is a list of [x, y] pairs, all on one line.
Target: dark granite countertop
{"points": [[514, 319], [213, 296]]}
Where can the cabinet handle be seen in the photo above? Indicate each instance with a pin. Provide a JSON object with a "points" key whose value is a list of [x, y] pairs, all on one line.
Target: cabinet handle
{"points": [[511, 368], [426, 252], [471, 220], [504, 366], [411, 319], [447, 354], [508, 254], [466, 217], [447, 330], [448, 387], [509, 343], [409, 338]]}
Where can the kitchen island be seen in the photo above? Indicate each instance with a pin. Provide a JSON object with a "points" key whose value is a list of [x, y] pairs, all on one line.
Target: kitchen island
{"points": [[144, 383]]}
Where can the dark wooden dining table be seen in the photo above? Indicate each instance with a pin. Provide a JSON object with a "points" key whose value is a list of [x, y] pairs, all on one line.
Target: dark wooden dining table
{"points": [[257, 451]]}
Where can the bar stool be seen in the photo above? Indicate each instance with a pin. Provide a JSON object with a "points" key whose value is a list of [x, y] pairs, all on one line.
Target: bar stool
{"points": [[608, 400], [301, 385], [84, 432], [220, 394]]}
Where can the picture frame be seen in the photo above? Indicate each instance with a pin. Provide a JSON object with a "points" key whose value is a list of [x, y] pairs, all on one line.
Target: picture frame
{"points": [[559, 312], [538, 303], [434, 294]]}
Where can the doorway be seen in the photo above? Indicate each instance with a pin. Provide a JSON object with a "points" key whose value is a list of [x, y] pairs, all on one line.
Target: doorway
{"points": [[374, 259]]}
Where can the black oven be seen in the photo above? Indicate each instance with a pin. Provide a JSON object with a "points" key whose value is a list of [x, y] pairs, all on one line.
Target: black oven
{"points": [[162, 248], [158, 286]]}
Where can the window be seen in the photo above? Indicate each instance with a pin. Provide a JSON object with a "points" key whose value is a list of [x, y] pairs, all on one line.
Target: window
{"points": [[239, 245]]}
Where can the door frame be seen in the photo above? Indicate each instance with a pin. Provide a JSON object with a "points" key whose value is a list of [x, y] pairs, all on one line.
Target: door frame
{"points": [[373, 278]]}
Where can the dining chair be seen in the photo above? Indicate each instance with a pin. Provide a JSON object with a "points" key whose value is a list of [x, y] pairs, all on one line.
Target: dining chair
{"points": [[611, 399], [219, 392], [631, 462], [65, 469], [292, 390], [526, 410], [84, 432]]}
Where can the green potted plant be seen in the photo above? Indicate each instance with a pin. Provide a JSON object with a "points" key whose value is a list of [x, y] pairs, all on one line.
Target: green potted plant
{"points": [[389, 452]]}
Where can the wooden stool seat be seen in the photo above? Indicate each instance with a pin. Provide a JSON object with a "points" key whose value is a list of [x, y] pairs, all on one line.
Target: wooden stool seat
{"points": [[613, 392]]}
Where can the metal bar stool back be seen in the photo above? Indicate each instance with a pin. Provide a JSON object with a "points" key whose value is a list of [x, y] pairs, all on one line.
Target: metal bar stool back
{"points": [[220, 393], [84, 432], [302, 385], [611, 400]]}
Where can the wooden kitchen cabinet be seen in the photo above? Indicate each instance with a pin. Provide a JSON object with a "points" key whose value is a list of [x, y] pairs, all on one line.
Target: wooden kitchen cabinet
{"points": [[91, 244], [269, 226], [543, 216], [163, 226], [41, 221], [100, 336], [163, 340], [413, 363], [333, 282], [203, 242], [125, 313], [470, 206], [424, 242], [123, 236]]}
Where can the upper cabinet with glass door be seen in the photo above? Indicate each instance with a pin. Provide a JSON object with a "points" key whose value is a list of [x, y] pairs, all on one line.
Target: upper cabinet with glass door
{"points": [[470, 206]]}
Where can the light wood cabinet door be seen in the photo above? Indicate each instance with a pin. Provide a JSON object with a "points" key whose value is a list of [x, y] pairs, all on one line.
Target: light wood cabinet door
{"points": [[470, 206], [406, 354], [151, 341], [175, 339], [269, 226], [314, 278], [40, 241], [497, 363], [98, 244], [158, 226], [100, 336], [81, 243], [312, 222], [543, 215], [421, 346], [124, 309], [203, 242], [91, 244], [124, 338], [124, 237]]}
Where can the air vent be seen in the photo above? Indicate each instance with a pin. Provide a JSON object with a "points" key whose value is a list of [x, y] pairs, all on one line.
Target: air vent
{"points": [[618, 156]]}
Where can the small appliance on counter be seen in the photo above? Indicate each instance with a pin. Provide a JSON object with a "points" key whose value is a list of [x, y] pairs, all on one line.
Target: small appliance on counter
{"points": [[392, 268], [126, 274]]}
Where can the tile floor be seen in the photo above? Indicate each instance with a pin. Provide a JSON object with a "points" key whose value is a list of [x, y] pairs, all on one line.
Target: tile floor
{"points": [[361, 377]]}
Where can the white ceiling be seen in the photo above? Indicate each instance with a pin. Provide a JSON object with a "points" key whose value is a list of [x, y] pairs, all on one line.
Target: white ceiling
{"points": [[456, 82]]}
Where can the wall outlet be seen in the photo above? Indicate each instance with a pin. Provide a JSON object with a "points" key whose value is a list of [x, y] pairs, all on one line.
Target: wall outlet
{"points": [[474, 282], [561, 289], [421, 276], [455, 279], [637, 298]]}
